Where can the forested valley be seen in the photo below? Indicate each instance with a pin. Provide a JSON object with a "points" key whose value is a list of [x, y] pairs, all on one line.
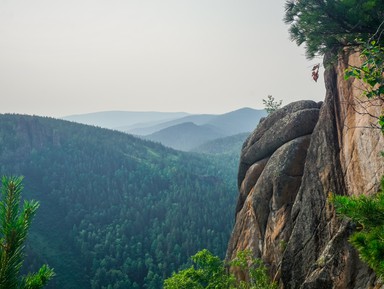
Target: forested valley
{"points": [[115, 211]]}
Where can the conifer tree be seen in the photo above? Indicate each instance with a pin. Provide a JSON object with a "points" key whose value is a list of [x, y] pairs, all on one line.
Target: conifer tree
{"points": [[14, 225], [326, 25], [368, 215], [271, 104]]}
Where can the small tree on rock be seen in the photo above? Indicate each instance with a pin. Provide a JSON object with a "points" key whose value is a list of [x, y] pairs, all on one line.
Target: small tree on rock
{"points": [[271, 105]]}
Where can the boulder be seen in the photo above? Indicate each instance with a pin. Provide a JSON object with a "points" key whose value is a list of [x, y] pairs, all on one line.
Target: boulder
{"points": [[289, 165], [292, 121]]}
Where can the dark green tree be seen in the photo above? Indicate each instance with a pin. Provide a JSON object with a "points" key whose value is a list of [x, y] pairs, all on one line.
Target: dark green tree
{"points": [[14, 226], [368, 215], [209, 272], [327, 25]]}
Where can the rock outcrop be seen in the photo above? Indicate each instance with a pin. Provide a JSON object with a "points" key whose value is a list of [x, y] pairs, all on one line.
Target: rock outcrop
{"points": [[289, 165]]}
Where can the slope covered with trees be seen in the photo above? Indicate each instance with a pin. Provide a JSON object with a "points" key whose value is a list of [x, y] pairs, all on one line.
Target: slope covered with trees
{"points": [[230, 145], [185, 136], [116, 211]]}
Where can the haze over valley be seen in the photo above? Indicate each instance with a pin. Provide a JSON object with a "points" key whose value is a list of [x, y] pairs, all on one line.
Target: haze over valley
{"points": [[191, 144], [180, 131]]}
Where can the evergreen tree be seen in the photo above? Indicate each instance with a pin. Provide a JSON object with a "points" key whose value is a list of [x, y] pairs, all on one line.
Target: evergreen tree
{"points": [[325, 25], [14, 226], [271, 104], [368, 215]]}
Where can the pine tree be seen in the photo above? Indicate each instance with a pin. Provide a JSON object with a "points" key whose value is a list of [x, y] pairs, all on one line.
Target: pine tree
{"points": [[271, 105], [327, 25], [368, 215], [14, 225]]}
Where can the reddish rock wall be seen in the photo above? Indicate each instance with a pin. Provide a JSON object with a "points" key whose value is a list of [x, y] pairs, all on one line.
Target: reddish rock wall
{"points": [[289, 165]]}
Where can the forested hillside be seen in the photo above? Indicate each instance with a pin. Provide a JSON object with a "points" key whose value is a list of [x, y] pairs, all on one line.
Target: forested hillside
{"points": [[116, 211], [185, 136], [230, 145]]}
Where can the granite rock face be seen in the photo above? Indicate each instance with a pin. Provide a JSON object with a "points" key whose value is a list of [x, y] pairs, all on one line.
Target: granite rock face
{"points": [[289, 165]]}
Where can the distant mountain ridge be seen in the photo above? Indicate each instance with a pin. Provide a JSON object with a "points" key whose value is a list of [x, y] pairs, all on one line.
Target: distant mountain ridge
{"points": [[198, 119], [230, 123], [192, 131], [116, 119], [180, 131]]}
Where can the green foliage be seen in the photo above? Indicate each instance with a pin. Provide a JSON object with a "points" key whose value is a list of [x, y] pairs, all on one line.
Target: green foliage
{"points": [[326, 25], [14, 226], [368, 214], [209, 272], [39, 280], [371, 73], [116, 211], [255, 269], [271, 105]]}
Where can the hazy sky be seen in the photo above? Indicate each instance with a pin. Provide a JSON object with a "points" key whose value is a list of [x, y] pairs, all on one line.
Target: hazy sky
{"points": [[61, 57]]}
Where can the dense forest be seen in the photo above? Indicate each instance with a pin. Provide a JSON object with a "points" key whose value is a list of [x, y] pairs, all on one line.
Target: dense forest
{"points": [[116, 211]]}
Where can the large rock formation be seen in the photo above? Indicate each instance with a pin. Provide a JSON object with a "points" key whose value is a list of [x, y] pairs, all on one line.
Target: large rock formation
{"points": [[289, 165]]}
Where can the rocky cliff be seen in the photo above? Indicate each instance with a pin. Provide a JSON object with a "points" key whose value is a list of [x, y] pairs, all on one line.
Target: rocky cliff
{"points": [[289, 165]]}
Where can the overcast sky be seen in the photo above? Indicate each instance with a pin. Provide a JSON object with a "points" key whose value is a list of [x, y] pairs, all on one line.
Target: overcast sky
{"points": [[62, 57]]}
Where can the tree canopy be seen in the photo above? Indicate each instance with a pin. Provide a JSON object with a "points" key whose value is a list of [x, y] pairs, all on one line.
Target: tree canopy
{"points": [[116, 211], [209, 272], [326, 25]]}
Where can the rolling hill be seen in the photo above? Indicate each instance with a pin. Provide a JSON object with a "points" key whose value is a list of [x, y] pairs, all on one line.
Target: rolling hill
{"points": [[185, 136], [230, 145], [116, 211]]}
